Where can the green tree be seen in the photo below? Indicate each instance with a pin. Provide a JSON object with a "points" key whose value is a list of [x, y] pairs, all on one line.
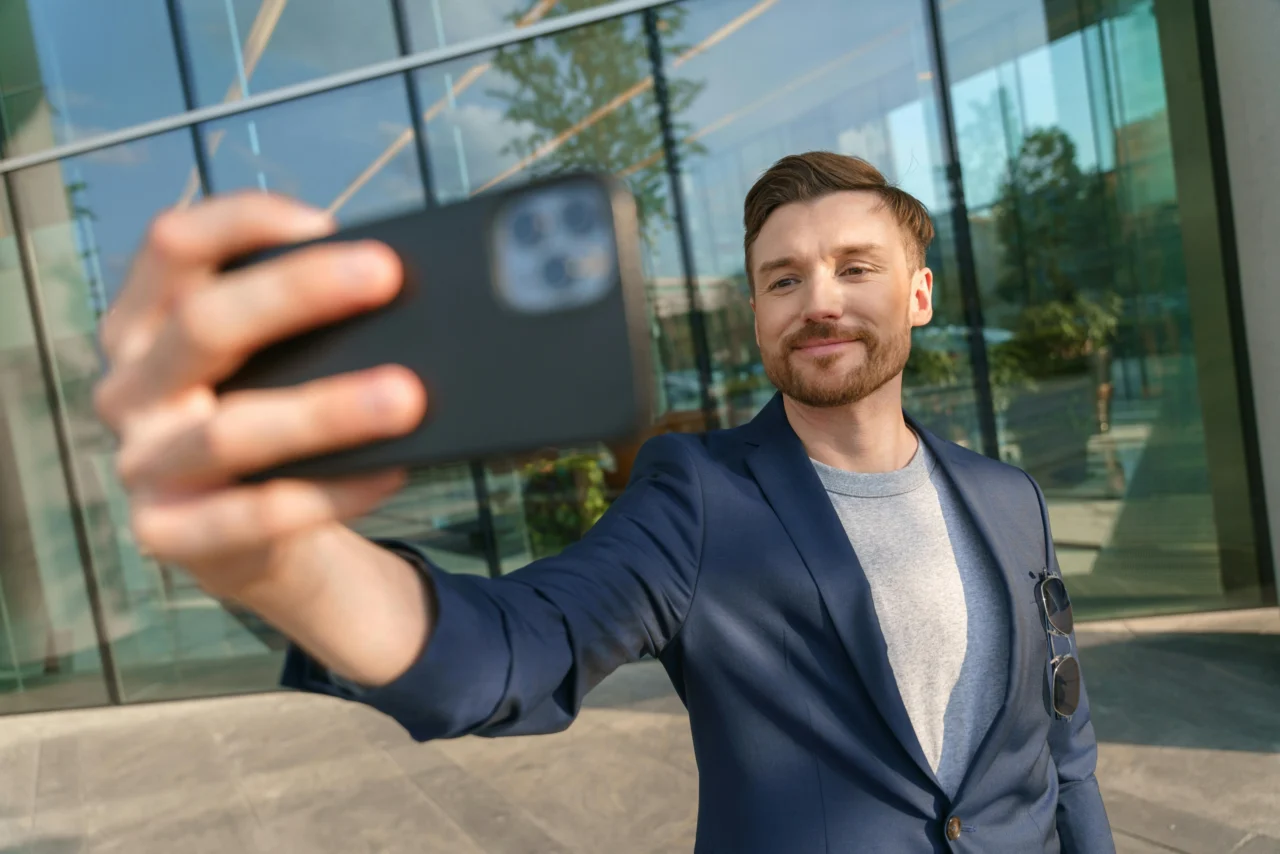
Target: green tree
{"points": [[587, 97], [1051, 215]]}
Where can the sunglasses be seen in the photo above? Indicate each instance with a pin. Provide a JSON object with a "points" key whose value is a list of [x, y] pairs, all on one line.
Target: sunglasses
{"points": [[1055, 610]]}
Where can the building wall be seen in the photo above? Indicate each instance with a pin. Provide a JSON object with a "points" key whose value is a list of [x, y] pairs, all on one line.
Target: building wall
{"points": [[1244, 34]]}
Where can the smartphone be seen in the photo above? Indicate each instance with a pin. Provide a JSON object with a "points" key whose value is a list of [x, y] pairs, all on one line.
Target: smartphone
{"points": [[523, 313]]}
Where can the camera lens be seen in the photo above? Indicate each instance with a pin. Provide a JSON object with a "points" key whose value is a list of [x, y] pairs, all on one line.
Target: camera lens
{"points": [[527, 228], [579, 216], [556, 272]]}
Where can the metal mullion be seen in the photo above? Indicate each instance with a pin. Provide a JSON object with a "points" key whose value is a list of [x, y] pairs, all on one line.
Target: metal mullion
{"points": [[964, 240], [671, 156], [186, 79]]}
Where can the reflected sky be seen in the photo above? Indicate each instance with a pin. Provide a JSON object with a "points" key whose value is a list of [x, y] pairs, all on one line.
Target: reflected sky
{"points": [[771, 82]]}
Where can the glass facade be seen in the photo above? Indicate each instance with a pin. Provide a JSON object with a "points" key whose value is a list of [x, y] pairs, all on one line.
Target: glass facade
{"points": [[1046, 138]]}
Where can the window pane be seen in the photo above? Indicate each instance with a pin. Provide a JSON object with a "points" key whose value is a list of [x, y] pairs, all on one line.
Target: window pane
{"points": [[350, 151], [440, 23], [1069, 168], [246, 47], [48, 648], [71, 70], [86, 217]]}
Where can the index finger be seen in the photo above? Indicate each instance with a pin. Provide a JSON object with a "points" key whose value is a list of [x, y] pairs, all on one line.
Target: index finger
{"points": [[184, 248]]}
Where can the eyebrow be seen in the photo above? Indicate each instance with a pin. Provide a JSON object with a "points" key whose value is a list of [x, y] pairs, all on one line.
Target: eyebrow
{"points": [[873, 250]]}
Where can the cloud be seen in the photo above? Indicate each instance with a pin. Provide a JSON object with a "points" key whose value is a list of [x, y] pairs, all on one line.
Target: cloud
{"points": [[485, 131]]}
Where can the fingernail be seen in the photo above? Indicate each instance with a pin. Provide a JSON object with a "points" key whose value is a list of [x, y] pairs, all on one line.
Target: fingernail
{"points": [[384, 395], [361, 264]]}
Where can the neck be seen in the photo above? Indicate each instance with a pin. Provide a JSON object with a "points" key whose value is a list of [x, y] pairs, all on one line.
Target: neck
{"points": [[869, 435]]}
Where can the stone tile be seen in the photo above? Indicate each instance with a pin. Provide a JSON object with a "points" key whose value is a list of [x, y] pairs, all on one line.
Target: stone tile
{"points": [[207, 832], [1228, 787], [1258, 845], [591, 788], [1126, 844], [1173, 828], [287, 734], [62, 827], [58, 775], [194, 802], [55, 845], [388, 815], [139, 761], [21, 763], [497, 825]]}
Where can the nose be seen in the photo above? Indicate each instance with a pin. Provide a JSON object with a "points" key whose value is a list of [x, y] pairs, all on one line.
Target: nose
{"points": [[824, 299]]}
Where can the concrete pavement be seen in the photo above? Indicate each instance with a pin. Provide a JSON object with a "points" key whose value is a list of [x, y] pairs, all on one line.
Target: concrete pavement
{"points": [[1187, 710]]}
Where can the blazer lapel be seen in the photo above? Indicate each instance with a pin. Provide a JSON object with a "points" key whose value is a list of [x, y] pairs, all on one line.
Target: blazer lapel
{"points": [[791, 486], [991, 511]]}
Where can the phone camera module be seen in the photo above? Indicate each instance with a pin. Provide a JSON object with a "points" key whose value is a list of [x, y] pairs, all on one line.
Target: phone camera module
{"points": [[557, 273], [579, 216], [527, 228]]}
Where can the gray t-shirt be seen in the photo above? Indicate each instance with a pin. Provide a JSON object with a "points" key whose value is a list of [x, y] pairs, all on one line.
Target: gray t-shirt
{"points": [[938, 598]]}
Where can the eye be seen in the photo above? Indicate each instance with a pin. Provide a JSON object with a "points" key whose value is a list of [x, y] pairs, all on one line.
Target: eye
{"points": [[854, 270], [781, 283]]}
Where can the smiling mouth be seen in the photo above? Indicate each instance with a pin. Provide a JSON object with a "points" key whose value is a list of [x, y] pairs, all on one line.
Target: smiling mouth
{"points": [[824, 346]]}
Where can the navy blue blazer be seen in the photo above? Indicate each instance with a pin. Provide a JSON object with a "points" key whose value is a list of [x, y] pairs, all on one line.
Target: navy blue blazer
{"points": [[725, 560]]}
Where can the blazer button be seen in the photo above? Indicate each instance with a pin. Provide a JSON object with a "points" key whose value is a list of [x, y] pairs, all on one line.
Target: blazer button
{"points": [[953, 828]]}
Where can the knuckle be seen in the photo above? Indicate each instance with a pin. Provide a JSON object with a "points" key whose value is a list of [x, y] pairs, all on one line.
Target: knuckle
{"points": [[127, 469], [197, 331], [220, 443], [276, 509], [107, 403], [166, 233], [148, 532]]}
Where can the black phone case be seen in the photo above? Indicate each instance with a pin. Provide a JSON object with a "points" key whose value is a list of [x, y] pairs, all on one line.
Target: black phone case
{"points": [[498, 381]]}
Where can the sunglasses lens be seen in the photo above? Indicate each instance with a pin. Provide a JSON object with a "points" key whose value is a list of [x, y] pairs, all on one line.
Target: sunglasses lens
{"points": [[1066, 685], [1057, 605]]}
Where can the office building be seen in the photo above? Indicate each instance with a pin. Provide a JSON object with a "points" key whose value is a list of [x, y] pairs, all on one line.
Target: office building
{"points": [[1099, 171]]}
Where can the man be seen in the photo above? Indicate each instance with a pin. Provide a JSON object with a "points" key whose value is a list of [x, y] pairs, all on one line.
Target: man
{"points": [[866, 623]]}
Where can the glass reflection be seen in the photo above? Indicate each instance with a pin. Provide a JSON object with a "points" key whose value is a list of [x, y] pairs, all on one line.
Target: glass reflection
{"points": [[49, 654], [70, 71], [349, 151], [244, 47], [168, 638], [1068, 165], [440, 23]]}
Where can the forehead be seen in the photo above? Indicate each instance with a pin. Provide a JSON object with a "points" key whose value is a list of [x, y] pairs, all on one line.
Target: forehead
{"points": [[848, 218]]}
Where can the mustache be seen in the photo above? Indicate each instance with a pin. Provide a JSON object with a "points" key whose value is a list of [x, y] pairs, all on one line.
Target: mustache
{"points": [[825, 332]]}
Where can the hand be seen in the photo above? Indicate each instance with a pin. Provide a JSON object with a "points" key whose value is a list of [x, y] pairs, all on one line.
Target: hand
{"points": [[179, 326]]}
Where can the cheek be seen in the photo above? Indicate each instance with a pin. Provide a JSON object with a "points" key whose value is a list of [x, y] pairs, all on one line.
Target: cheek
{"points": [[769, 326]]}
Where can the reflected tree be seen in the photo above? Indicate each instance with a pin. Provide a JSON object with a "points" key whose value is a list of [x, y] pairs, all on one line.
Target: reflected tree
{"points": [[1051, 213], [584, 99]]}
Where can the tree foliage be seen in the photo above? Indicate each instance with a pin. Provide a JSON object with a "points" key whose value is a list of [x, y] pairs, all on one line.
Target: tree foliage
{"points": [[586, 99]]}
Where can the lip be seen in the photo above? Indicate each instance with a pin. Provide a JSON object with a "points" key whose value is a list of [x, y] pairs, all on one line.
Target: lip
{"points": [[824, 346]]}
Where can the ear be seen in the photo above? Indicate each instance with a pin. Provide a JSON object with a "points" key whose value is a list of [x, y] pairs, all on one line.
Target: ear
{"points": [[921, 310]]}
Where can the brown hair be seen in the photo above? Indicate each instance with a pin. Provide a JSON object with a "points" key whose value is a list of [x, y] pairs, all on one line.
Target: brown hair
{"points": [[809, 176]]}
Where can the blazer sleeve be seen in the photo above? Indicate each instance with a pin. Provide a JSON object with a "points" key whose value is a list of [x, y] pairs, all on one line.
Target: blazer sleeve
{"points": [[516, 655], [1083, 826]]}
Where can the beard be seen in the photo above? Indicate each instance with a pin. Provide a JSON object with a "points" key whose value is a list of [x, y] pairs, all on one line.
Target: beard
{"points": [[820, 384]]}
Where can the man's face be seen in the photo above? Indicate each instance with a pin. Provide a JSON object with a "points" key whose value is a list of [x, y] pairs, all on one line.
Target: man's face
{"points": [[835, 298]]}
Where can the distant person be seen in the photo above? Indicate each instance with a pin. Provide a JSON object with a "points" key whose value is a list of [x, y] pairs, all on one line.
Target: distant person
{"points": [[866, 623]]}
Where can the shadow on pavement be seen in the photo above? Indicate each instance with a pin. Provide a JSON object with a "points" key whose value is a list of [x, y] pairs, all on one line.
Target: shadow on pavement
{"points": [[1216, 691], [52, 845], [1194, 690]]}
